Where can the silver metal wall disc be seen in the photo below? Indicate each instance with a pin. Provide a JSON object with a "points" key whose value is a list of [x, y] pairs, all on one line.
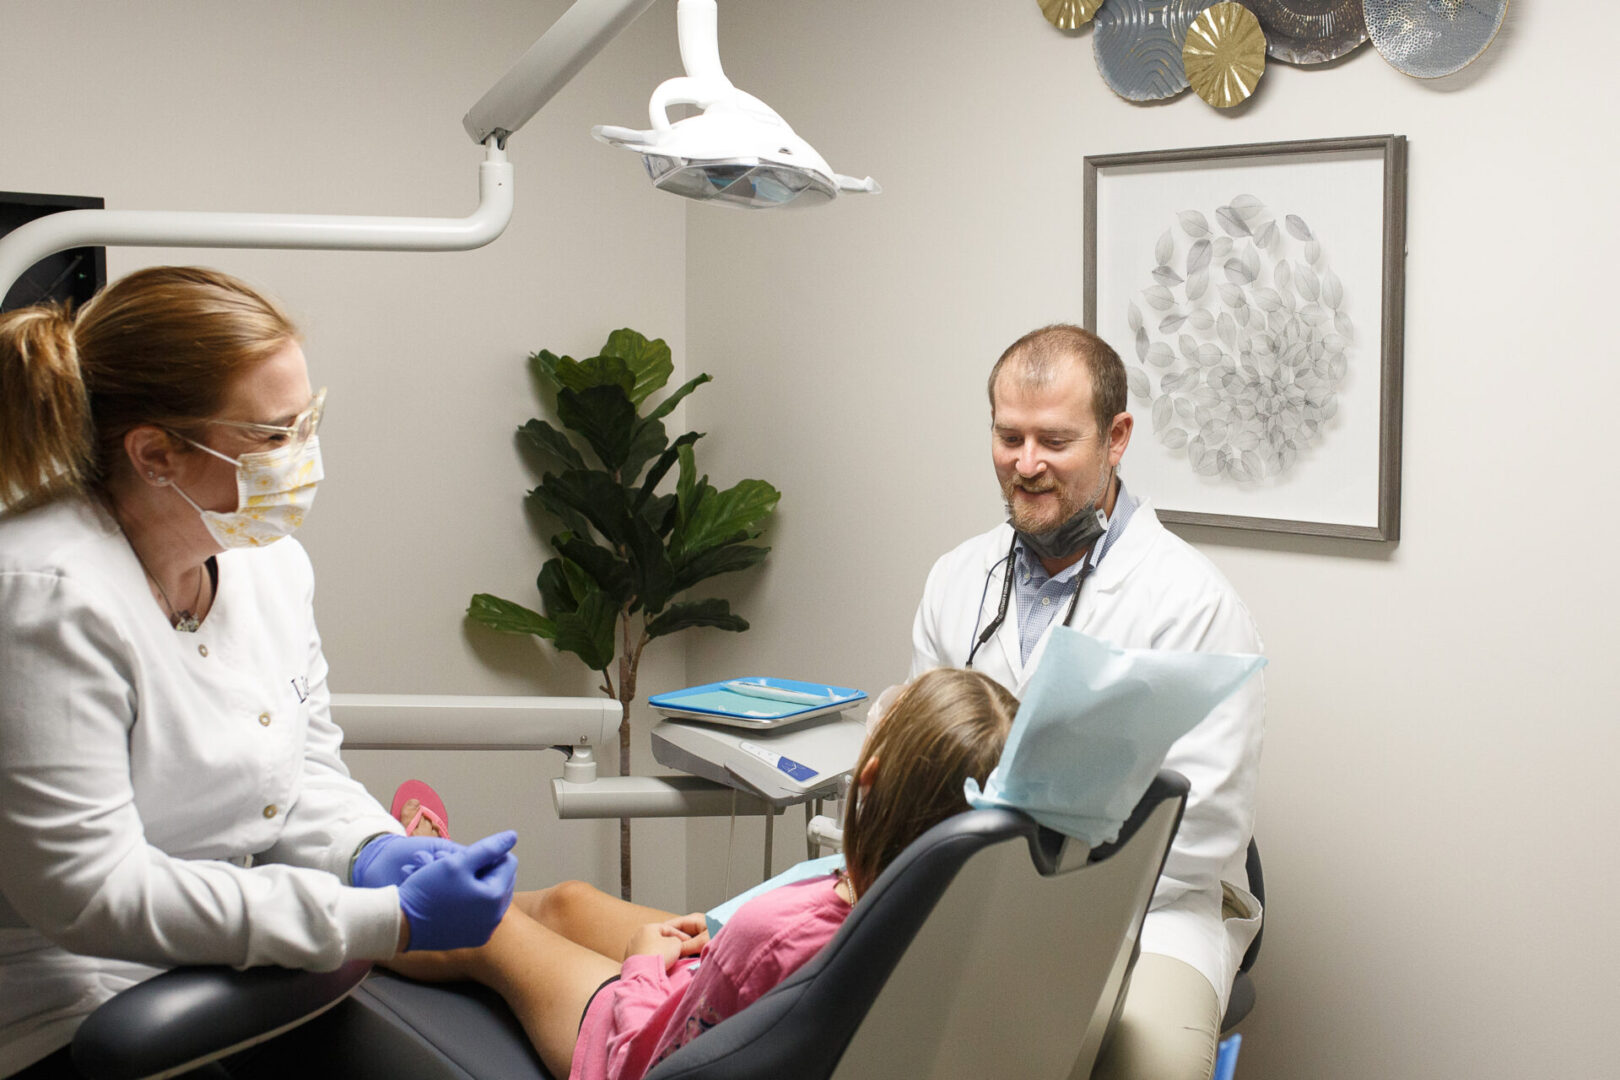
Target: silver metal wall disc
{"points": [[1431, 38], [1310, 31], [1138, 46]]}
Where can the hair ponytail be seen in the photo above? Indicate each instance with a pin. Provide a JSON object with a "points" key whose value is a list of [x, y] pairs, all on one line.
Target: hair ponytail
{"points": [[160, 346], [46, 441]]}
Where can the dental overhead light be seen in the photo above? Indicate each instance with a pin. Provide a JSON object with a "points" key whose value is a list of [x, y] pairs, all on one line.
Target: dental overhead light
{"points": [[738, 151]]}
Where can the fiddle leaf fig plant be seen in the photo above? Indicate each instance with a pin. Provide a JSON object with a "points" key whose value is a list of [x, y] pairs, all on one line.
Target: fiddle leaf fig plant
{"points": [[626, 551]]}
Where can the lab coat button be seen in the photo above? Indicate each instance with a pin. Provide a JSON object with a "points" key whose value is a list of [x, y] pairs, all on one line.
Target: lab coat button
{"points": [[264, 719], [203, 649], [270, 811]]}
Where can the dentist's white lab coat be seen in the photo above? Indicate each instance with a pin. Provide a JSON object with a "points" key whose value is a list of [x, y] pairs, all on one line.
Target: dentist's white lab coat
{"points": [[1152, 590]]}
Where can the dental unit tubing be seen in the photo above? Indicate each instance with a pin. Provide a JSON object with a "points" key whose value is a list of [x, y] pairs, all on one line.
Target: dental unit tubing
{"points": [[26, 245], [573, 40]]}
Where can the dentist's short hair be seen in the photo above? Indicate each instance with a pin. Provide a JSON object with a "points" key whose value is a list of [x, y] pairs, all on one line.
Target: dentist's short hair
{"points": [[1036, 359]]}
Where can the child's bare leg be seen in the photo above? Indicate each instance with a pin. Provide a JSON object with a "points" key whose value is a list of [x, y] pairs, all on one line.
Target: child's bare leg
{"points": [[545, 978], [588, 916]]}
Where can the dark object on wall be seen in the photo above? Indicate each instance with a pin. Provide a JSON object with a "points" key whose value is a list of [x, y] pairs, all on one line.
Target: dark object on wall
{"points": [[71, 276], [1309, 32]]}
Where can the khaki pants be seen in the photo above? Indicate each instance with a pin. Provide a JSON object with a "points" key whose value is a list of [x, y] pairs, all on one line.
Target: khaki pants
{"points": [[1169, 1028]]}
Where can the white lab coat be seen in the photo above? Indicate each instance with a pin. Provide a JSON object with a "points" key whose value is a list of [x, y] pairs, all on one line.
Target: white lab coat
{"points": [[141, 767], [1155, 591]]}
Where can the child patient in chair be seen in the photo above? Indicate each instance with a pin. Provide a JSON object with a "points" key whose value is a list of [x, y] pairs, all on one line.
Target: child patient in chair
{"points": [[607, 989]]}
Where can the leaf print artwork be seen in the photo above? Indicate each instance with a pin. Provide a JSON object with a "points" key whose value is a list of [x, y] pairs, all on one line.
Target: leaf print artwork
{"points": [[1241, 378]]}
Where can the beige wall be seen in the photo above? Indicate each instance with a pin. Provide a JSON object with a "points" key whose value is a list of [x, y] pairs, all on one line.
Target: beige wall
{"points": [[1436, 800], [355, 108]]}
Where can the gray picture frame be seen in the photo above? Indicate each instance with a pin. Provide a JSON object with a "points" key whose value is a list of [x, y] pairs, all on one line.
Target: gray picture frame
{"points": [[1230, 496]]}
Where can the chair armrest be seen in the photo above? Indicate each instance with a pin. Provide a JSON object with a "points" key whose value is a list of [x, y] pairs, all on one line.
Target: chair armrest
{"points": [[190, 1016]]}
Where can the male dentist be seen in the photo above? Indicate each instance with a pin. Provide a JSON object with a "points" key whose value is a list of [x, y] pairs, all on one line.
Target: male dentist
{"points": [[1081, 549]]}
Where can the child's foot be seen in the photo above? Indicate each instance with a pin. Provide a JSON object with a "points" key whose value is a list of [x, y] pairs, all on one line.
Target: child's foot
{"points": [[418, 807], [424, 825]]}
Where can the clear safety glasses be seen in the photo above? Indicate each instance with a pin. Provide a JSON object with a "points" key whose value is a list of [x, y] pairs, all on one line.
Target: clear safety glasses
{"points": [[298, 432]]}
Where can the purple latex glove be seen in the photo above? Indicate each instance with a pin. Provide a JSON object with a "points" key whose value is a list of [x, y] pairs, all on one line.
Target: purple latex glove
{"points": [[454, 902], [387, 859]]}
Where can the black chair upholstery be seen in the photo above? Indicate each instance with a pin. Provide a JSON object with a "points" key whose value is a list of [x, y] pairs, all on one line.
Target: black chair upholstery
{"points": [[866, 991], [188, 1017]]}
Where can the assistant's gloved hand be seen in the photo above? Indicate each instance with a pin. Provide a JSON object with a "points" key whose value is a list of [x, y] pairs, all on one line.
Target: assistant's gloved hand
{"points": [[455, 900], [388, 860]]}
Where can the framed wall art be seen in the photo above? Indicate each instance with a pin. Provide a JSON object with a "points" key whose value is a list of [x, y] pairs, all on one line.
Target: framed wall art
{"points": [[1256, 294]]}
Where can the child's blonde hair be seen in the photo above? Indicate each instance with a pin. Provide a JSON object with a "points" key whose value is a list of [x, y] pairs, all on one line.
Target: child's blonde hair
{"points": [[947, 725]]}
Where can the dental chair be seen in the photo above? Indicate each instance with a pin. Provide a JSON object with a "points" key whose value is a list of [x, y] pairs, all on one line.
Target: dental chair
{"points": [[991, 947]]}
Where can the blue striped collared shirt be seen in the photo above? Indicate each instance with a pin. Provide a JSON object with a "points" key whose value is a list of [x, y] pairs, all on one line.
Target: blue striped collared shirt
{"points": [[1041, 596]]}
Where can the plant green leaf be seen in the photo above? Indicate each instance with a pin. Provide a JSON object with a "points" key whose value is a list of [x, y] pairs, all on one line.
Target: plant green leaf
{"points": [[590, 494], [572, 520], [602, 569], [588, 631], [543, 365], [650, 566], [689, 488], [562, 582], [718, 519], [649, 362], [659, 512], [548, 440], [595, 371], [661, 467], [725, 559], [509, 618], [647, 440], [690, 613], [604, 416], [667, 406]]}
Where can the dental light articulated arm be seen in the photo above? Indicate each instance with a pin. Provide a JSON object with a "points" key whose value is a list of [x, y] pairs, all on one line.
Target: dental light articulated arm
{"points": [[571, 43], [44, 236]]}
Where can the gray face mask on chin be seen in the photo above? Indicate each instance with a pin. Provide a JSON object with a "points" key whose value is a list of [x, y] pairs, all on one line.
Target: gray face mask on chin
{"points": [[1069, 538]]}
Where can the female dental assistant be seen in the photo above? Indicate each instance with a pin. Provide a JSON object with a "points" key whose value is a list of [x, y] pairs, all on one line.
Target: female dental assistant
{"points": [[170, 785]]}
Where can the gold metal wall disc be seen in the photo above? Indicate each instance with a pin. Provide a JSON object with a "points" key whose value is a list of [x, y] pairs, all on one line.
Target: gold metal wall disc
{"points": [[1069, 14], [1138, 46], [1431, 38], [1310, 31], [1225, 54]]}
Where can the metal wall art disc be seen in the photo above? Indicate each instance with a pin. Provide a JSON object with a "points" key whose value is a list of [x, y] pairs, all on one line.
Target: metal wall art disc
{"points": [[1311, 31], [1430, 38], [1069, 14], [1225, 54], [1138, 46]]}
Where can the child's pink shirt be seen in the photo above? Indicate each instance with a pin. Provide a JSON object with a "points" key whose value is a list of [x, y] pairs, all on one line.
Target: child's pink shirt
{"points": [[634, 1023]]}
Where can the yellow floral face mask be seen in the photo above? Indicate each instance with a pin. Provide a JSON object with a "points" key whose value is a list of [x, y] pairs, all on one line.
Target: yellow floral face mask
{"points": [[274, 490]]}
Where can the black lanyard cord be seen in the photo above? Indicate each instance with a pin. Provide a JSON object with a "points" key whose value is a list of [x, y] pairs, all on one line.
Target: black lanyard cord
{"points": [[1001, 609], [1006, 597]]}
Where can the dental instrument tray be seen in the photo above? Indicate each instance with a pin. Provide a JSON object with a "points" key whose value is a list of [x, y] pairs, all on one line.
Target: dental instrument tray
{"points": [[756, 702]]}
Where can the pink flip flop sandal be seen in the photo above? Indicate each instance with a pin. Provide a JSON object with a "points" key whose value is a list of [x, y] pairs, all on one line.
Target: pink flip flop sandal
{"points": [[428, 804]]}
